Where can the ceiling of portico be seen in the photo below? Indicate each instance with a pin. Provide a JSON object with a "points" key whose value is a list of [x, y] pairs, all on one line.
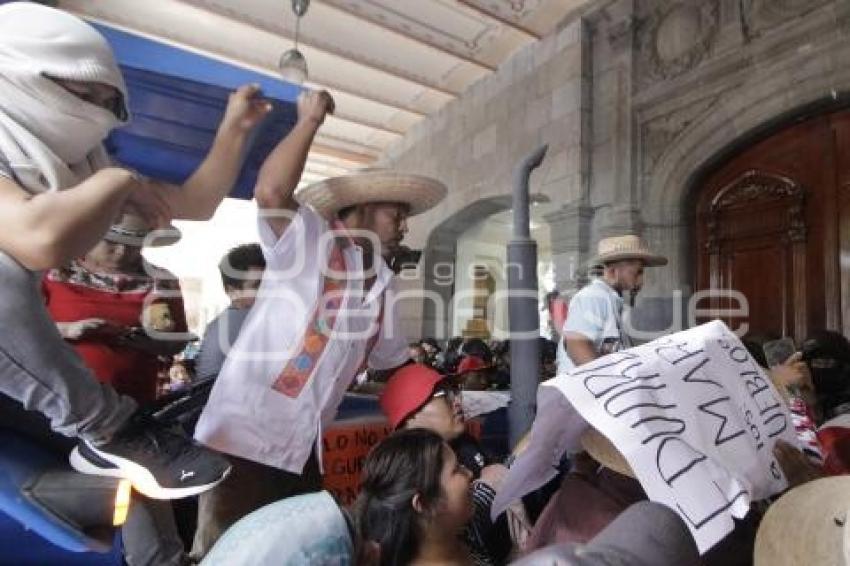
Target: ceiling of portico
{"points": [[388, 63]]}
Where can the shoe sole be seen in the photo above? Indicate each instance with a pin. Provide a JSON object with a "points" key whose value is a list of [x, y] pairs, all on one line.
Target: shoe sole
{"points": [[141, 479]]}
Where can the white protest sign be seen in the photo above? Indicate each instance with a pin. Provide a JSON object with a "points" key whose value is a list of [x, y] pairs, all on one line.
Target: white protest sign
{"points": [[695, 417]]}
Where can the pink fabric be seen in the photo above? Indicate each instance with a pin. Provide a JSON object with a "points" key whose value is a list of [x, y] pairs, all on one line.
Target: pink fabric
{"points": [[582, 507], [559, 310], [835, 441]]}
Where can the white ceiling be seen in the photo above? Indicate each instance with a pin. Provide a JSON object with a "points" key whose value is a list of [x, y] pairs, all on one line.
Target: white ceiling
{"points": [[388, 63]]}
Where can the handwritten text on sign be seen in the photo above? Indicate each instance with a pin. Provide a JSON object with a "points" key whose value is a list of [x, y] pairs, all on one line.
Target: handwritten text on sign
{"points": [[345, 446], [695, 417]]}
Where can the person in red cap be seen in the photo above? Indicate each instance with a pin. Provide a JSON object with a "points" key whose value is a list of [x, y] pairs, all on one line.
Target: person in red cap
{"points": [[418, 396], [472, 372]]}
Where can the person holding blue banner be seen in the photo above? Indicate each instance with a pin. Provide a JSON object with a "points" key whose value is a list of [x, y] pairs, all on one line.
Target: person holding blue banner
{"points": [[61, 93]]}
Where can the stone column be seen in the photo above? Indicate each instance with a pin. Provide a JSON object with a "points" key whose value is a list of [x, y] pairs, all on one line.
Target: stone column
{"points": [[661, 307], [438, 264], [570, 234]]}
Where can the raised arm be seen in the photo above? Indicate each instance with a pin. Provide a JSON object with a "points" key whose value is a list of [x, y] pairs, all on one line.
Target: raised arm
{"points": [[282, 169], [200, 195]]}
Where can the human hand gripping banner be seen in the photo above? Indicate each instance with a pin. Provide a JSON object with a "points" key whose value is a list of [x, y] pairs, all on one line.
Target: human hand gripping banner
{"points": [[694, 415]]}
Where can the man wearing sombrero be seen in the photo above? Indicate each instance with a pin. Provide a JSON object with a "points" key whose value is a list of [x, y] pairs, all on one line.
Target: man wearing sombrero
{"points": [[324, 310], [594, 325]]}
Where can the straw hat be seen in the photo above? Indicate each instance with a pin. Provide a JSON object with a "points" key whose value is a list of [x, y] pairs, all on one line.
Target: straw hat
{"points": [[603, 451], [618, 248], [132, 230], [372, 185], [807, 525]]}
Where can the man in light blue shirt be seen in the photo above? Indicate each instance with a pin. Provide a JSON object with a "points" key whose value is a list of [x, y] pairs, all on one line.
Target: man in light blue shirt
{"points": [[594, 325]]}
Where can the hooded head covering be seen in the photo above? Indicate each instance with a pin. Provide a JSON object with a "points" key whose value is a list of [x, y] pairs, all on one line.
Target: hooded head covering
{"points": [[52, 138]]}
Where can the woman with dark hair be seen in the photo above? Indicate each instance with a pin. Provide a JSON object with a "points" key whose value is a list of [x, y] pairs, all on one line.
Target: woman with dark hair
{"points": [[414, 501]]}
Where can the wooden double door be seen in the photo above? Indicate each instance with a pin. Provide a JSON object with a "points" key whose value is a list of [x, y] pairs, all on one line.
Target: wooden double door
{"points": [[773, 224]]}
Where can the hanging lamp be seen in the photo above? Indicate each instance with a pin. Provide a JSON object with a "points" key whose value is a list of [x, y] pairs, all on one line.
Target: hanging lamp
{"points": [[292, 64]]}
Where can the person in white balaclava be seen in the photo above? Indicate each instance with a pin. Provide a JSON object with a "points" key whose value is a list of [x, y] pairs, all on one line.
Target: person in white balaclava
{"points": [[61, 93]]}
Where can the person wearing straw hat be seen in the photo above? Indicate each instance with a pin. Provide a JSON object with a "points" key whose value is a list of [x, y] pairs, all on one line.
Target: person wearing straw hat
{"points": [[807, 525], [594, 325], [645, 534], [599, 486], [324, 311]]}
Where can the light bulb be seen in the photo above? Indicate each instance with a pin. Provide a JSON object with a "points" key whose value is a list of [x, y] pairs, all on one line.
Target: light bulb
{"points": [[293, 67]]}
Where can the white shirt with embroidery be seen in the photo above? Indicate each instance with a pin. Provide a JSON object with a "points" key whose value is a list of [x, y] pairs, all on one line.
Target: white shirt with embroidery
{"points": [[245, 415]]}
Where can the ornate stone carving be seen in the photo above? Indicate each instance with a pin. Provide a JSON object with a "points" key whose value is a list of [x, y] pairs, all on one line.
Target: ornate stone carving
{"points": [[620, 34], [517, 5], [756, 185], [675, 37], [759, 16], [658, 134]]}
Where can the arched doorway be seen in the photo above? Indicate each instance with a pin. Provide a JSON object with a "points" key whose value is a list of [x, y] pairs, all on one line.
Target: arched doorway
{"points": [[464, 262], [772, 223]]}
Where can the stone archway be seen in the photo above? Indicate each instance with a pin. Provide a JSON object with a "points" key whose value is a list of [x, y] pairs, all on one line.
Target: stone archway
{"points": [[717, 127], [771, 226], [440, 252], [439, 269]]}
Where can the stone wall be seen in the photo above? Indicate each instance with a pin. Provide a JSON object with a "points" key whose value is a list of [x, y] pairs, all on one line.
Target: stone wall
{"points": [[637, 101], [474, 143], [707, 78]]}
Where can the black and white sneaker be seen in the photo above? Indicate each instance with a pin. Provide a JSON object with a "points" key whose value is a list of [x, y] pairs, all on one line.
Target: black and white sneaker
{"points": [[159, 462]]}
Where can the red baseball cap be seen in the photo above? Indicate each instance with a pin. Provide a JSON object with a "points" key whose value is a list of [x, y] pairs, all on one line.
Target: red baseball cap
{"points": [[470, 363], [407, 390]]}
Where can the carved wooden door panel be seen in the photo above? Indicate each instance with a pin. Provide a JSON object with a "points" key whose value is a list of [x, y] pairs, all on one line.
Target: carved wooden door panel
{"points": [[767, 227], [841, 129], [754, 245]]}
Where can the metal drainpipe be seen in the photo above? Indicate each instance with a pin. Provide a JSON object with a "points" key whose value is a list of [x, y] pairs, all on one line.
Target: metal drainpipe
{"points": [[522, 305]]}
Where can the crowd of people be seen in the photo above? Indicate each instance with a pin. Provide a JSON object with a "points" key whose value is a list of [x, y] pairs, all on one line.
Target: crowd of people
{"points": [[89, 326], [480, 364]]}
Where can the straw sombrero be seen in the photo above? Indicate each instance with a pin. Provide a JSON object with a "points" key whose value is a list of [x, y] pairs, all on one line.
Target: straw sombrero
{"points": [[603, 451], [372, 185], [807, 525], [132, 230], [618, 248]]}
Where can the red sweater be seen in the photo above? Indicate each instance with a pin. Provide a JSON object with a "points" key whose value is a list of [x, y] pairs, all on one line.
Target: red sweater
{"points": [[74, 294]]}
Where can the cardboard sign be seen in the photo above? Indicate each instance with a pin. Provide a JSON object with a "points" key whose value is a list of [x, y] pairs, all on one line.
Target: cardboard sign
{"points": [[693, 414], [345, 446]]}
